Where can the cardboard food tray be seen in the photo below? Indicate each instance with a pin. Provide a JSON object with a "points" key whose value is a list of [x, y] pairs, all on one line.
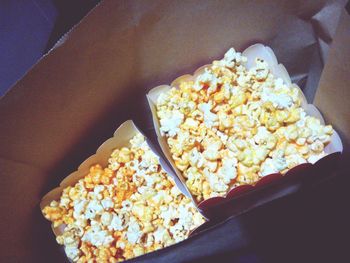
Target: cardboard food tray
{"points": [[214, 207], [97, 77], [121, 138]]}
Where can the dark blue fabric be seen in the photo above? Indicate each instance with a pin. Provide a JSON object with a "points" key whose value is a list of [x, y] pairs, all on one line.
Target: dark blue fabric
{"points": [[29, 28], [25, 27]]}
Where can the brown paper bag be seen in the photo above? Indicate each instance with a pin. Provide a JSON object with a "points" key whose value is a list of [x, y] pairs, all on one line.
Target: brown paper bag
{"points": [[98, 76]]}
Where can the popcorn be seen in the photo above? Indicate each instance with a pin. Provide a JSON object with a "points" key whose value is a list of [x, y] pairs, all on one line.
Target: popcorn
{"points": [[211, 154], [106, 218], [247, 175], [72, 252], [134, 232], [231, 58], [117, 222], [196, 158], [97, 237], [210, 118], [317, 146], [242, 124], [138, 210], [93, 209], [278, 100], [212, 166], [107, 203], [264, 137], [214, 182], [228, 170], [273, 165], [294, 160], [206, 79], [190, 124], [170, 124]]}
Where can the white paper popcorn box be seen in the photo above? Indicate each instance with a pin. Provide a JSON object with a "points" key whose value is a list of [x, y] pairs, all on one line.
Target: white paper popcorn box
{"points": [[121, 138], [212, 207]]}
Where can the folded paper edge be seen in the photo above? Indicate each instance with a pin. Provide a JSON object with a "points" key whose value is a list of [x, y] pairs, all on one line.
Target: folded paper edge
{"points": [[152, 98]]}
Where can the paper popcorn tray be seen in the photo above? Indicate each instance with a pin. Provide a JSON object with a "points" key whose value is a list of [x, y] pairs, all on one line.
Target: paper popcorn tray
{"points": [[121, 138], [232, 202]]}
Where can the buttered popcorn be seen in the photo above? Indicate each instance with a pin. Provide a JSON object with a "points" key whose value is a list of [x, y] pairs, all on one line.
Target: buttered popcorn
{"points": [[232, 125], [125, 210]]}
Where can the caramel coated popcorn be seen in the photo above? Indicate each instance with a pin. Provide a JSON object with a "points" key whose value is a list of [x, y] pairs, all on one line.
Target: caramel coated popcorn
{"points": [[124, 210], [232, 125]]}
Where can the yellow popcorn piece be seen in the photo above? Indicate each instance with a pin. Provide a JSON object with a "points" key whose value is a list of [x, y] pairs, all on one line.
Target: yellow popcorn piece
{"points": [[245, 115], [113, 214]]}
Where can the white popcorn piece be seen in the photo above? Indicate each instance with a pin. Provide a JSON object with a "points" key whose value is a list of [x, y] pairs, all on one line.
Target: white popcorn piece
{"points": [[243, 80], [170, 125], [142, 189], [261, 69], [163, 99], [191, 123], [223, 137], [262, 135], [106, 218], [211, 154], [65, 201], [211, 165], [159, 235], [72, 252], [279, 100], [118, 222], [134, 232], [232, 56], [97, 237], [167, 214], [195, 158], [175, 191], [126, 206], [138, 140], [149, 159], [149, 240], [317, 146], [210, 119], [294, 160], [301, 141], [159, 197], [206, 78], [273, 165], [121, 244], [214, 182], [138, 251], [107, 203], [93, 208], [228, 170], [98, 189]]}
